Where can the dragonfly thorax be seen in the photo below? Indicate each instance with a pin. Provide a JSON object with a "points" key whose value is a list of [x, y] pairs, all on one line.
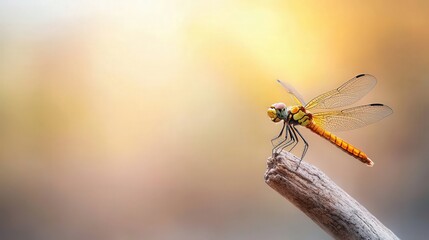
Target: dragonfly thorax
{"points": [[298, 115]]}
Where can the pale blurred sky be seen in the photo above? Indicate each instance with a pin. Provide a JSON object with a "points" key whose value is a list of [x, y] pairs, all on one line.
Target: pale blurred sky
{"points": [[147, 119]]}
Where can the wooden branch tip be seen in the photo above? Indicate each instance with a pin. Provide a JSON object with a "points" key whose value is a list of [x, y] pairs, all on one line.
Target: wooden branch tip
{"points": [[322, 200]]}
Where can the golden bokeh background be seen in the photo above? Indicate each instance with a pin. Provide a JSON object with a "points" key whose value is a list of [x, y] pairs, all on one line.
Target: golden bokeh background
{"points": [[147, 119]]}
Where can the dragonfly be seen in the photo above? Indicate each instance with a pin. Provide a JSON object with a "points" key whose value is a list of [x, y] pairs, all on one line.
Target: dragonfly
{"points": [[326, 118]]}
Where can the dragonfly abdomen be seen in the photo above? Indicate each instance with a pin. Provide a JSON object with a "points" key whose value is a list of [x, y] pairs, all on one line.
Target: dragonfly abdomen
{"points": [[350, 149]]}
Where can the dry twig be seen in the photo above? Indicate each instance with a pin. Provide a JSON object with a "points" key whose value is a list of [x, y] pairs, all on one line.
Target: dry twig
{"points": [[322, 200]]}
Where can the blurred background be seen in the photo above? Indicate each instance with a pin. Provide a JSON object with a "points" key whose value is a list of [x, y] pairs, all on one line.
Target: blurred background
{"points": [[147, 119]]}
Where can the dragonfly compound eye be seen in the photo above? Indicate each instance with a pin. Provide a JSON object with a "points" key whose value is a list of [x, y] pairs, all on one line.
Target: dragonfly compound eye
{"points": [[279, 106]]}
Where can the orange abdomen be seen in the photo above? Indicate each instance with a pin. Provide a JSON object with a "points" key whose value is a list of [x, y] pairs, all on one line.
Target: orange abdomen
{"points": [[350, 149]]}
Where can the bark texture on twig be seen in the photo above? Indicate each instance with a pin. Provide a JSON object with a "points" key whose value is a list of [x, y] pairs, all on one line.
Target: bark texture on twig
{"points": [[322, 200]]}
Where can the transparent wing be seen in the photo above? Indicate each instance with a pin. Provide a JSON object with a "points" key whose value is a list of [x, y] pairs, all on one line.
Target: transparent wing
{"points": [[295, 96], [348, 93], [352, 118]]}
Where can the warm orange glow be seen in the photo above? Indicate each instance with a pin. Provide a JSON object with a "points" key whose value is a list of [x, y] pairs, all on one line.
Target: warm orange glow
{"points": [[147, 119]]}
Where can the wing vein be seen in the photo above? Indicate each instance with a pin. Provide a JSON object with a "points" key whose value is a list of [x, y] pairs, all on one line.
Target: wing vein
{"points": [[352, 118], [347, 94]]}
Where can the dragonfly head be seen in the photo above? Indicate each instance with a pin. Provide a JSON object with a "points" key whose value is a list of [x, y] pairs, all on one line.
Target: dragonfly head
{"points": [[277, 112]]}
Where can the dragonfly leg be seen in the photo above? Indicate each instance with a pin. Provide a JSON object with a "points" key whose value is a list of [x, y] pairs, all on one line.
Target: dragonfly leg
{"points": [[296, 137], [305, 146], [285, 141], [281, 133], [291, 141]]}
